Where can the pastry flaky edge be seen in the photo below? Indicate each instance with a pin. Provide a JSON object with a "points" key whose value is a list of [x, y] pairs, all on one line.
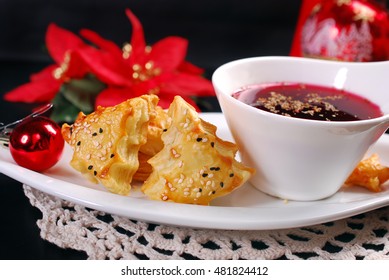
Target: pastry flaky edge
{"points": [[194, 166], [106, 142]]}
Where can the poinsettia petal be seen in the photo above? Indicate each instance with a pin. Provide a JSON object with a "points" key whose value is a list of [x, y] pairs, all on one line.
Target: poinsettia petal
{"points": [[45, 73], [99, 41], [185, 84], [42, 90], [106, 66], [112, 96], [59, 41], [76, 67], [138, 42], [168, 53], [190, 68]]}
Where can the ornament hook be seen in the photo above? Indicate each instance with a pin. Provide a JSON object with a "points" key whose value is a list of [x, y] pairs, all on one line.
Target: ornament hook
{"points": [[6, 129]]}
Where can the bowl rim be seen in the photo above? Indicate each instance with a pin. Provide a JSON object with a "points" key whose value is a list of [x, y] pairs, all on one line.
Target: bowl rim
{"points": [[289, 59]]}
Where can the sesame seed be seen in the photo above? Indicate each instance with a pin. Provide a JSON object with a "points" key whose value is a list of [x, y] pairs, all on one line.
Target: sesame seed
{"points": [[164, 197], [170, 185], [221, 184], [199, 139], [201, 171], [95, 172], [196, 189], [210, 193], [231, 174], [173, 189], [180, 181], [180, 163], [95, 143], [198, 194], [210, 175], [78, 143], [208, 183], [100, 130], [186, 189], [164, 130], [204, 140], [112, 155], [90, 167], [212, 144], [103, 158], [177, 155], [94, 134], [186, 125], [88, 156], [190, 181], [204, 175], [186, 193]]}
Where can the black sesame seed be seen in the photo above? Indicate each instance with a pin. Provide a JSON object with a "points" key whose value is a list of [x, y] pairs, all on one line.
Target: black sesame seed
{"points": [[212, 168], [232, 175], [200, 189], [90, 167], [213, 192], [212, 144], [94, 134], [78, 143], [100, 130], [199, 139], [71, 129], [112, 155], [221, 184], [95, 172], [205, 174], [217, 168], [164, 130]]}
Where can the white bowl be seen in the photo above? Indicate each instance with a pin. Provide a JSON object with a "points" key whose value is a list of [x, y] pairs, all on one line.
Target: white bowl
{"points": [[300, 159]]}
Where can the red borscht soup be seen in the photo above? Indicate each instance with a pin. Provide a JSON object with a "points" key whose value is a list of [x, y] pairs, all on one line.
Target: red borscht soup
{"points": [[308, 102]]}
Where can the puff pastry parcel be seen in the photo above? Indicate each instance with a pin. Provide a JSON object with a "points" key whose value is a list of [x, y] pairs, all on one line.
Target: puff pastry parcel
{"points": [[194, 165], [106, 142]]}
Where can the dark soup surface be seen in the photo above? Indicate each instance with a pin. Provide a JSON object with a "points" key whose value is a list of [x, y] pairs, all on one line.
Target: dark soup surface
{"points": [[308, 101]]}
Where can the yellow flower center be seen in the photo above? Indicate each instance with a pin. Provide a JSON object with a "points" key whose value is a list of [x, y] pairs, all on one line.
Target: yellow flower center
{"points": [[59, 72]]}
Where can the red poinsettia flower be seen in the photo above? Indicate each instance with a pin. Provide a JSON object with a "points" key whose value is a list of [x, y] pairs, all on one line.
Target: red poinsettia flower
{"points": [[62, 45], [135, 70], [138, 69]]}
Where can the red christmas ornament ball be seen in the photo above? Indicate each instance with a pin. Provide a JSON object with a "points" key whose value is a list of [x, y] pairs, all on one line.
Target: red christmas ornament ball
{"points": [[36, 143]]}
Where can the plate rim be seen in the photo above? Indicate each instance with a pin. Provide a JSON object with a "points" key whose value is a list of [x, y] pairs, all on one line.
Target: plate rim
{"points": [[206, 217]]}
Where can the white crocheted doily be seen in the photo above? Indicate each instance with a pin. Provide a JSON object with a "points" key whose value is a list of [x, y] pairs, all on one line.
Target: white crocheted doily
{"points": [[105, 236]]}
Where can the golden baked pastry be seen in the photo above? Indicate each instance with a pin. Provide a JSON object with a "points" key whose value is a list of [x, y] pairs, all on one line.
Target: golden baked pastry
{"points": [[369, 173], [106, 142], [194, 166], [154, 143]]}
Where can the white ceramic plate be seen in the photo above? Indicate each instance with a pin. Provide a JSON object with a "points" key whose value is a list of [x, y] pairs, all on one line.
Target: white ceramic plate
{"points": [[246, 208]]}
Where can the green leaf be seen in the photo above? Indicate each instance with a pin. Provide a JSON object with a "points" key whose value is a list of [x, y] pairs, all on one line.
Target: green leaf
{"points": [[82, 92], [63, 110]]}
